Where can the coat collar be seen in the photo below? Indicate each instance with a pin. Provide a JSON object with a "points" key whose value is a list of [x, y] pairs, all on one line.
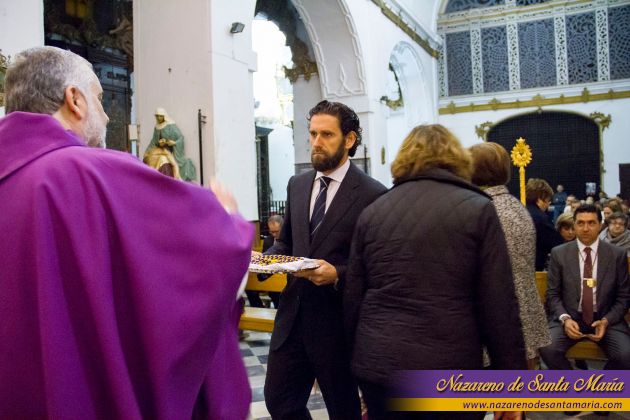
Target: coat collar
{"points": [[25, 137], [442, 175]]}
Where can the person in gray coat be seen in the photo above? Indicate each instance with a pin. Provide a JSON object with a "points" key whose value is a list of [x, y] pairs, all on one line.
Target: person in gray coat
{"points": [[492, 173], [429, 282]]}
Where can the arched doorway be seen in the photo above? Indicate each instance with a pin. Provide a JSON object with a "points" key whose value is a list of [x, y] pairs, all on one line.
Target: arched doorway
{"points": [[565, 146], [407, 97]]}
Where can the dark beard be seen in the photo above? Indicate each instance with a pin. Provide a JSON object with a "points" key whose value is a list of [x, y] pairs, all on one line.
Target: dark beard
{"points": [[329, 162]]}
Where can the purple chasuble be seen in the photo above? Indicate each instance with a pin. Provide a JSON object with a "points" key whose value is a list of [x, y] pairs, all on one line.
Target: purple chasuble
{"points": [[117, 285]]}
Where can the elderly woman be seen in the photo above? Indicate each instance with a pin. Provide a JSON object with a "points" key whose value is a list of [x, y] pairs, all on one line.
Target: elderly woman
{"points": [[616, 232], [429, 282], [491, 173]]}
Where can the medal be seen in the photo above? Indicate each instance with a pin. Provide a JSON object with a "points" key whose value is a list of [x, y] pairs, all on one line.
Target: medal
{"points": [[591, 282]]}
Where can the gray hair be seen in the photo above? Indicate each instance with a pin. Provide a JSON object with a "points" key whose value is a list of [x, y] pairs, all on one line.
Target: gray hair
{"points": [[618, 215], [276, 218], [37, 79]]}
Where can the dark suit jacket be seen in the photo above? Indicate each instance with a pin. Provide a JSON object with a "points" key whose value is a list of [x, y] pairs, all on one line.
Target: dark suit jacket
{"points": [[267, 243], [319, 306], [613, 288]]}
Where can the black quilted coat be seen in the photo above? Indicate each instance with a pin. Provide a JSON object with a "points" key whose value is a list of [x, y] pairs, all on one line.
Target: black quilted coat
{"points": [[430, 283]]}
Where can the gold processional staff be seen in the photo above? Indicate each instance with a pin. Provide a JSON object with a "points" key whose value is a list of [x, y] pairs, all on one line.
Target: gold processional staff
{"points": [[521, 157]]}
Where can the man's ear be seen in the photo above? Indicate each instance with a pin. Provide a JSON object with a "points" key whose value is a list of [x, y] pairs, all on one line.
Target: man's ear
{"points": [[75, 102], [351, 138]]}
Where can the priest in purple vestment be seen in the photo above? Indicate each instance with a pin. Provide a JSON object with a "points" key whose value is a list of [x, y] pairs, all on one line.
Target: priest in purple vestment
{"points": [[117, 284]]}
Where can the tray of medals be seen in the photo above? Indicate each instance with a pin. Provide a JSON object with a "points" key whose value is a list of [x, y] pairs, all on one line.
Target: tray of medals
{"points": [[280, 264]]}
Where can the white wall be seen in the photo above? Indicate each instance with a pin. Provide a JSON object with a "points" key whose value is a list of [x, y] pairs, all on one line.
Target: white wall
{"points": [[615, 138], [377, 47], [21, 26], [200, 65], [306, 94], [281, 160]]}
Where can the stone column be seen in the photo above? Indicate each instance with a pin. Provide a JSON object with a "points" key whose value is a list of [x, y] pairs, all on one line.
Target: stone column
{"points": [[204, 67], [21, 27]]}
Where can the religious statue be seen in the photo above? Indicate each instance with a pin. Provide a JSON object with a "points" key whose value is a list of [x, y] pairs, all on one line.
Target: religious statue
{"points": [[166, 151]]}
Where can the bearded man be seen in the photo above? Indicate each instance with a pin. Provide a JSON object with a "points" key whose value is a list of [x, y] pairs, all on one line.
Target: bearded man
{"points": [[323, 206]]}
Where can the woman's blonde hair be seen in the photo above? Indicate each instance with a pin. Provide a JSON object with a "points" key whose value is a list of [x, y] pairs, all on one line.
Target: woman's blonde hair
{"points": [[431, 146]]}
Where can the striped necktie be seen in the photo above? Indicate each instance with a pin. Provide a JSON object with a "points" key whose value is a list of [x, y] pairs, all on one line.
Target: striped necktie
{"points": [[319, 209]]}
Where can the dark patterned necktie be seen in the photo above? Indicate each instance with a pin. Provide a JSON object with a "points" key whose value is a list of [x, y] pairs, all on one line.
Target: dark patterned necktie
{"points": [[319, 209], [587, 292]]}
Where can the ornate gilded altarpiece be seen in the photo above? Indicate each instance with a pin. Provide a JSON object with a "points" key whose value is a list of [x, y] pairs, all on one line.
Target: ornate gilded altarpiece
{"points": [[101, 32]]}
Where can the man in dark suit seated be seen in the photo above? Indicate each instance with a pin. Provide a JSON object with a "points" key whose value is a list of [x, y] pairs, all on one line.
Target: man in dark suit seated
{"points": [[588, 295], [323, 206]]}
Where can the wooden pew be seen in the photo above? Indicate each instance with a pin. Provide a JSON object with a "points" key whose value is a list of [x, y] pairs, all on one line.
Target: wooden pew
{"points": [[584, 349], [261, 319]]}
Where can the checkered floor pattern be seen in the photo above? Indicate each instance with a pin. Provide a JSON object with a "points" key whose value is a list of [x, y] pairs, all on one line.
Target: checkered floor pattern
{"points": [[254, 350]]}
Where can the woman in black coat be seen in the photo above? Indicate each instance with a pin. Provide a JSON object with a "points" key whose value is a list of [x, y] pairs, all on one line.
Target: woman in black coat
{"points": [[538, 198], [429, 282]]}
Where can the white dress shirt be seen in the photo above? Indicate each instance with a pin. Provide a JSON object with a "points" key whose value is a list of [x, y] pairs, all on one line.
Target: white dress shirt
{"points": [[594, 257], [336, 177]]}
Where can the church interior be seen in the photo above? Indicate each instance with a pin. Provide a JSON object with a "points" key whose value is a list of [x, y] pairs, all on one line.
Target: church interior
{"points": [[238, 78]]}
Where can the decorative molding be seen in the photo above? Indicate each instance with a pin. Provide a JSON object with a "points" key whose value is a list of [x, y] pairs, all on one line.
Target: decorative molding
{"points": [[536, 101], [352, 30], [601, 119], [408, 24], [603, 64], [483, 129], [326, 69], [476, 60], [4, 64], [562, 66], [513, 56], [282, 14], [394, 104], [443, 80], [305, 68], [497, 15]]}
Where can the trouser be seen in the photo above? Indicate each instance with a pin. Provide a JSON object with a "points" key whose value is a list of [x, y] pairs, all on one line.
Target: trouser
{"points": [[292, 370], [615, 344]]}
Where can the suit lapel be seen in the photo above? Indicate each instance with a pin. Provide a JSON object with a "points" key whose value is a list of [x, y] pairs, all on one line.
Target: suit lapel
{"points": [[304, 188], [573, 269], [603, 266], [344, 198]]}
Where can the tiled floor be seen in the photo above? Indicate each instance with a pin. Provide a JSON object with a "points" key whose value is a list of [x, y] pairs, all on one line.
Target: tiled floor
{"points": [[254, 349]]}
